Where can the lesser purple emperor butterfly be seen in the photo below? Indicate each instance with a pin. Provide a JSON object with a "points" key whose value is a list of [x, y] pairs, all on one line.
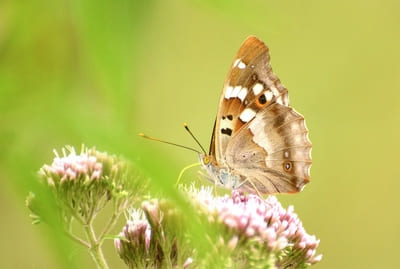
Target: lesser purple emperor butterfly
{"points": [[259, 143]]}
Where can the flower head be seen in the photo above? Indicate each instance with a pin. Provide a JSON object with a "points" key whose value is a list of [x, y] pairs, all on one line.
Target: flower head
{"points": [[151, 238], [78, 186], [134, 240], [262, 225], [72, 167], [84, 183]]}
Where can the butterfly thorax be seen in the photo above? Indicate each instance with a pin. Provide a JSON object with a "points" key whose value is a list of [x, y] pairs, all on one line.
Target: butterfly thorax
{"points": [[220, 174]]}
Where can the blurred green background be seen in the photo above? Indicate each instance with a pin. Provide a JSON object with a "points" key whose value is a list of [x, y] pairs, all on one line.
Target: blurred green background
{"points": [[99, 72]]}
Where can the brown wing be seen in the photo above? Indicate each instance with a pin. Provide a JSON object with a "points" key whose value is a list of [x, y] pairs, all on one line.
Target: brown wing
{"points": [[272, 151], [249, 87]]}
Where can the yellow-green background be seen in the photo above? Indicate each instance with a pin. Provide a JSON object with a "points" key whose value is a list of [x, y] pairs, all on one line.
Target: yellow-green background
{"points": [[99, 72]]}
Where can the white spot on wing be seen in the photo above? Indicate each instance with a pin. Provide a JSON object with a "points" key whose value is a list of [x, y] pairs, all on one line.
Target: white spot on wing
{"points": [[241, 65], [228, 92], [279, 100], [247, 115], [275, 91], [235, 91], [257, 88], [242, 94], [268, 95], [236, 62]]}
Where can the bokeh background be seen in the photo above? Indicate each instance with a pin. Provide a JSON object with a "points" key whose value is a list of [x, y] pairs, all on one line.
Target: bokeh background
{"points": [[100, 72]]}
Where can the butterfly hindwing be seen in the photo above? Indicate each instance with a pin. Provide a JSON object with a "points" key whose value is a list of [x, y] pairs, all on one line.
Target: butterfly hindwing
{"points": [[273, 151]]}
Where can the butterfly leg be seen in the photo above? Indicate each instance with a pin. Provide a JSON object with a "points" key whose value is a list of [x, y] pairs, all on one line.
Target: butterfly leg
{"points": [[215, 187], [209, 178], [251, 183]]}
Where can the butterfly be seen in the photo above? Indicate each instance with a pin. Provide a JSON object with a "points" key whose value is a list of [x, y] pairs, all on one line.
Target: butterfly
{"points": [[259, 143]]}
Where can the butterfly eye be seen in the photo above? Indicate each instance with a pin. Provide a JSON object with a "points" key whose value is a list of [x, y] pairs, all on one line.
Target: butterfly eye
{"points": [[287, 166], [206, 159]]}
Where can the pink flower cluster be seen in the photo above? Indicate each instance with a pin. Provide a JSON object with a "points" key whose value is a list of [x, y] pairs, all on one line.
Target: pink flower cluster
{"points": [[137, 232], [72, 167], [145, 245], [267, 221]]}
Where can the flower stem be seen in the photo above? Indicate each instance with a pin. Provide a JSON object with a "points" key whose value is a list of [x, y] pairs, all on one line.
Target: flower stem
{"points": [[78, 240], [95, 247]]}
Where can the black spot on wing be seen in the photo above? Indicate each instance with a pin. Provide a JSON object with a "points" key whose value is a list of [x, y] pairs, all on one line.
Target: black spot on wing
{"points": [[226, 131], [229, 117], [262, 99]]}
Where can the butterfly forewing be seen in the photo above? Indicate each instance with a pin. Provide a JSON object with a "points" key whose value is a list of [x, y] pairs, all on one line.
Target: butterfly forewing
{"points": [[256, 134], [249, 86]]}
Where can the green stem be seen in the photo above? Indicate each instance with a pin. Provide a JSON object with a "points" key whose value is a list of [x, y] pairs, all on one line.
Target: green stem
{"points": [[73, 236], [78, 240], [95, 247]]}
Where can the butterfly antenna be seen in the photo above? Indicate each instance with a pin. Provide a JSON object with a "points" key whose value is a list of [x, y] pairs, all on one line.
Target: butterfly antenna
{"points": [[169, 143], [195, 139]]}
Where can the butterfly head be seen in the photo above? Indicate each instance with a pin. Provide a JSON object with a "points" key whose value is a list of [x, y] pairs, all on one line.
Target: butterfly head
{"points": [[205, 159], [219, 175]]}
